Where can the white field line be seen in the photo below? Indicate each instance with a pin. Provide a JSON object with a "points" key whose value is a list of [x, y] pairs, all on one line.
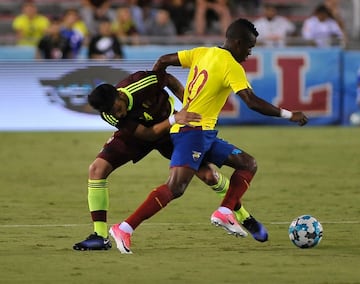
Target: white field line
{"points": [[156, 224]]}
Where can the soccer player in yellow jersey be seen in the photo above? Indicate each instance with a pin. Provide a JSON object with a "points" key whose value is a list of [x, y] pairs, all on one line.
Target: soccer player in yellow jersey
{"points": [[214, 73]]}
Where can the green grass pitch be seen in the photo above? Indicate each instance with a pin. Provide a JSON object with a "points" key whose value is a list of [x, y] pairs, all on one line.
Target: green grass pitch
{"points": [[309, 170]]}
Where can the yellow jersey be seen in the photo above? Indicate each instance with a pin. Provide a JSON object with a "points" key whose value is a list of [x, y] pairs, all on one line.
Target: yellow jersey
{"points": [[31, 30], [213, 75]]}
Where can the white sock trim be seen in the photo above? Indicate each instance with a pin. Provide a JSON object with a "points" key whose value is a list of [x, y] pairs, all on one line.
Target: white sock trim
{"points": [[224, 210], [126, 228]]}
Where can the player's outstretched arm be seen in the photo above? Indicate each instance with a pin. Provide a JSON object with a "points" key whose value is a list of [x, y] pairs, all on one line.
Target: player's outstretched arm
{"points": [[166, 60], [259, 105], [158, 130]]}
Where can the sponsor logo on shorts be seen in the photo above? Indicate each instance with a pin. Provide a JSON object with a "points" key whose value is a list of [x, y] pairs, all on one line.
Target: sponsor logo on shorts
{"points": [[236, 151]]}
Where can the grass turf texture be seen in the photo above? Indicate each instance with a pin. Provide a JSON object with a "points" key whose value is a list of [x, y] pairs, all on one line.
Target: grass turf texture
{"points": [[310, 170]]}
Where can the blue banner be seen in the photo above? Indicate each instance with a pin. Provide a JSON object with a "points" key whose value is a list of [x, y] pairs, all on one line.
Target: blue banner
{"points": [[351, 79]]}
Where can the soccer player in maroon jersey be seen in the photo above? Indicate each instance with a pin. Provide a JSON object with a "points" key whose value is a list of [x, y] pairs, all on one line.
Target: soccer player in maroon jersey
{"points": [[143, 112]]}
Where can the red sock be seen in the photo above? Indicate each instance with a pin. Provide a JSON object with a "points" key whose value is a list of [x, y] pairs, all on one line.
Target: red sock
{"points": [[155, 201], [239, 183]]}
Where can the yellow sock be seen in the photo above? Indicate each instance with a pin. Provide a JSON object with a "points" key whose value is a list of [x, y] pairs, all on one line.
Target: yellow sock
{"points": [[98, 200], [222, 185], [101, 228], [241, 214]]}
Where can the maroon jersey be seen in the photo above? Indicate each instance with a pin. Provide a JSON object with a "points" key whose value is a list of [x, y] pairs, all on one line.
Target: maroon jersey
{"points": [[149, 103]]}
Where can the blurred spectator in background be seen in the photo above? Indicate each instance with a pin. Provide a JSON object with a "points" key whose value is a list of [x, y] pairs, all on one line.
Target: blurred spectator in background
{"points": [[273, 28], [321, 29], [124, 26], [338, 14], [30, 26], [74, 29], [136, 11], [148, 14], [181, 13], [137, 14], [54, 45], [105, 45], [161, 24], [92, 11], [243, 8], [336, 11], [208, 12]]}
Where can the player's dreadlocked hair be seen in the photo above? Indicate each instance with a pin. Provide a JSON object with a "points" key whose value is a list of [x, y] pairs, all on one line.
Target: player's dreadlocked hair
{"points": [[102, 98], [240, 29]]}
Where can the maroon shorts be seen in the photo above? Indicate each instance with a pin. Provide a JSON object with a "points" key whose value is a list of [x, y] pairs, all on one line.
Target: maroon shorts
{"points": [[122, 148]]}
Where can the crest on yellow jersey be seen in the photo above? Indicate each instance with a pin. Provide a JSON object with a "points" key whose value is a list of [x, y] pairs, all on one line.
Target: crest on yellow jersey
{"points": [[196, 155]]}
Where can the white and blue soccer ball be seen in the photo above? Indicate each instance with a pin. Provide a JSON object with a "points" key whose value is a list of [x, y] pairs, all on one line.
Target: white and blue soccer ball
{"points": [[355, 119], [305, 231]]}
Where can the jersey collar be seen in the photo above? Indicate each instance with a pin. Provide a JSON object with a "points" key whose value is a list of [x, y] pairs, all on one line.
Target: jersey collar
{"points": [[130, 97]]}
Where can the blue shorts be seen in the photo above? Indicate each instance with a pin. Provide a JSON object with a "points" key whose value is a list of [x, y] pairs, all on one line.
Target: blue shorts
{"points": [[193, 147]]}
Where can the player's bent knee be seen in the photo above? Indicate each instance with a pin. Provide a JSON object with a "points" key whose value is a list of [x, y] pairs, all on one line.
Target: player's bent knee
{"points": [[208, 176], [252, 165], [248, 163], [99, 169]]}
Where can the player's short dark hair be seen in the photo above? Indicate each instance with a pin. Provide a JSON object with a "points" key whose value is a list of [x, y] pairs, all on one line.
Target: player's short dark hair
{"points": [[102, 98], [322, 9], [240, 28]]}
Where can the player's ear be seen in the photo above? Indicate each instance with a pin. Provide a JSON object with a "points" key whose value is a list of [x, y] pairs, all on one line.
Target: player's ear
{"points": [[239, 42]]}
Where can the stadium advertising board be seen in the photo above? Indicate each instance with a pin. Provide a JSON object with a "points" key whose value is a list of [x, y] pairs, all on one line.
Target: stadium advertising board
{"points": [[296, 79], [351, 79], [53, 95]]}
